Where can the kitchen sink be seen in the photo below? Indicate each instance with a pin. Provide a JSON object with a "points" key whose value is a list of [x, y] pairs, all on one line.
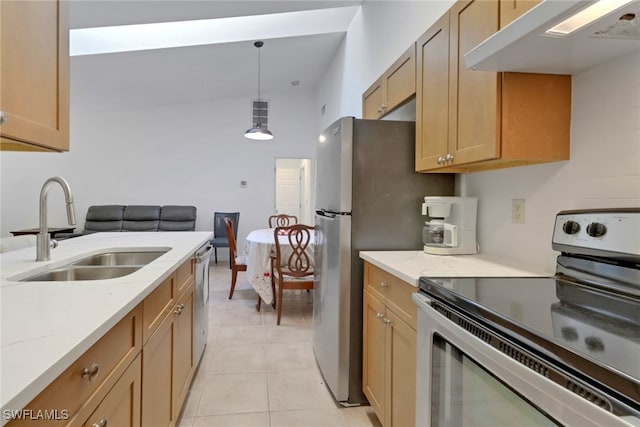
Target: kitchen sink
{"points": [[120, 258], [110, 264], [72, 273]]}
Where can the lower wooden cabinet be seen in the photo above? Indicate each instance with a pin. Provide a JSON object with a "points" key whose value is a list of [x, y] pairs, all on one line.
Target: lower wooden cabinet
{"points": [[168, 364], [74, 395], [389, 353], [374, 354], [183, 351], [121, 406], [156, 377], [137, 374]]}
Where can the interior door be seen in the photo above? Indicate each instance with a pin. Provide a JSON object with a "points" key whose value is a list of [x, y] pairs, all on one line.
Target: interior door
{"points": [[288, 191]]}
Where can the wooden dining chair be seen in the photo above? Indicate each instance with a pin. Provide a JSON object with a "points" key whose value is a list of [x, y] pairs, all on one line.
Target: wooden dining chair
{"points": [[282, 220], [293, 265], [237, 263]]}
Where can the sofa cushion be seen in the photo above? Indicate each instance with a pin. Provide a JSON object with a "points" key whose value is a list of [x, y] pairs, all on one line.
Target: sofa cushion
{"points": [[141, 218], [104, 218], [177, 218]]}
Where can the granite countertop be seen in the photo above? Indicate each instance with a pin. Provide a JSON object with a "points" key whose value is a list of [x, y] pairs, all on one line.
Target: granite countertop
{"points": [[410, 265], [46, 326]]}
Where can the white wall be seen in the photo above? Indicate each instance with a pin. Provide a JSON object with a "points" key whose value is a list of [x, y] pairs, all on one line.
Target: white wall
{"points": [[180, 154], [379, 33]]}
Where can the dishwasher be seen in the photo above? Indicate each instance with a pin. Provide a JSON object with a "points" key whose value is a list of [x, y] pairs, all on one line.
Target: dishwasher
{"points": [[201, 301]]}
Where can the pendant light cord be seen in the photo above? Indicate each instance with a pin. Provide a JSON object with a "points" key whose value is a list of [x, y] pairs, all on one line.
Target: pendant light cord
{"points": [[259, 72], [259, 44]]}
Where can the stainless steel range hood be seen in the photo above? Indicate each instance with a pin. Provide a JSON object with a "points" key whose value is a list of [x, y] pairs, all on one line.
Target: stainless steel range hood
{"points": [[524, 45]]}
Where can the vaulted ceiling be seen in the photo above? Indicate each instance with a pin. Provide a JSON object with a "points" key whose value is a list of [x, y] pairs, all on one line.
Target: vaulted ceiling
{"points": [[294, 50]]}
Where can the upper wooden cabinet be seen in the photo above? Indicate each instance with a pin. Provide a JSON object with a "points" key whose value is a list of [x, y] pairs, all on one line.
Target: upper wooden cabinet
{"points": [[393, 88], [34, 75], [510, 10], [469, 120]]}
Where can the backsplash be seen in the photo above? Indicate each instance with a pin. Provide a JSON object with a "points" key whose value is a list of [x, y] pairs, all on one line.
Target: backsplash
{"points": [[604, 170]]}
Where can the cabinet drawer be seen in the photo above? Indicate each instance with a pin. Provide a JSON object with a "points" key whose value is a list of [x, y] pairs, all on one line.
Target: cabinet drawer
{"points": [[121, 406], [156, 306], [184, 275], [78, 389], [392, 292]]}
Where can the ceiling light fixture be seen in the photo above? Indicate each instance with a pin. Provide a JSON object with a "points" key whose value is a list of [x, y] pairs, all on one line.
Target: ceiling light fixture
{"points": [[259, 112], [586, 16]]}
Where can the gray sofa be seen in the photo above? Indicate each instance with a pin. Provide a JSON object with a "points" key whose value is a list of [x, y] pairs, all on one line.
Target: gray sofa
{"points": [[139, 218]]}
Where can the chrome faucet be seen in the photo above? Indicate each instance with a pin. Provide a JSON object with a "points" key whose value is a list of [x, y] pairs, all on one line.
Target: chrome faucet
{"points": [[44, 242]]}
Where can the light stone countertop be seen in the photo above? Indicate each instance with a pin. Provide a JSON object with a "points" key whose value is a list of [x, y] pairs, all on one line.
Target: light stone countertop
{"points": [[46, 326], [411, 265]]}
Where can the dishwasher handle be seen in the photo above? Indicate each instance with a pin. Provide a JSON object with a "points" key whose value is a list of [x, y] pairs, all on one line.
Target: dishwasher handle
{"points": [[203, 254]]}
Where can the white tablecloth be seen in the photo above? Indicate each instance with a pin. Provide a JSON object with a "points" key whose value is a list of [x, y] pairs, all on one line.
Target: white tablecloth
{"points": [[258, 247]]}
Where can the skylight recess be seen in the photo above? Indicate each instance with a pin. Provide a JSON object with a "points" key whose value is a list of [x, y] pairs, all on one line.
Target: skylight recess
{"points": [[127, 38]]}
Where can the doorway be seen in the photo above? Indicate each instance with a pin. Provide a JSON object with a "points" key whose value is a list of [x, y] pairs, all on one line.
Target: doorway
{"points": [[293, 188]]}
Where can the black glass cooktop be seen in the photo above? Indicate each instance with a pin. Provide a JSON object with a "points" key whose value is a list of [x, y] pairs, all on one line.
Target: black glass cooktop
{"points": [[595, 324]]}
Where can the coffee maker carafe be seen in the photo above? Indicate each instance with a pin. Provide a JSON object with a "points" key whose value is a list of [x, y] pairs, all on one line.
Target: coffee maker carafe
{"points": [[451, 228]]}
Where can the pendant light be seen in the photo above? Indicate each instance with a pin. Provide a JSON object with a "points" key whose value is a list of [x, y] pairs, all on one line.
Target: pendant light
{"points": [[257, 132]]}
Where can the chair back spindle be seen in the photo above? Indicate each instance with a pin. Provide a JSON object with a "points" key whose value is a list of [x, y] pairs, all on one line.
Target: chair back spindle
{"points": [[293, 266], [282, 220]]}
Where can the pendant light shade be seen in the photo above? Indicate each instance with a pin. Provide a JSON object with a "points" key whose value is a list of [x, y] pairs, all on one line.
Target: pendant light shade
{"points": [[258, 134], [259, 112]]}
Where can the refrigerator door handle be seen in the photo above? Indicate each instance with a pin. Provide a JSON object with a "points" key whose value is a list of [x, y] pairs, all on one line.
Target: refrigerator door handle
{"points": [[325, 214], [330, 214]]}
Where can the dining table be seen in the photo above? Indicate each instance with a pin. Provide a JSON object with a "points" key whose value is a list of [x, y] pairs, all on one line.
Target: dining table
{"points": [[258, 249]]}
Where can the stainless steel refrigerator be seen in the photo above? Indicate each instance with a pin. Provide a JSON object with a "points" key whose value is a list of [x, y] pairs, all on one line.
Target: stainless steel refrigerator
{"points": [[368, 197]]}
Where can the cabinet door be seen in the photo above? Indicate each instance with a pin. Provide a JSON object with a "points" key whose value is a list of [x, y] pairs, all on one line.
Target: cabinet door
{"points": [[401, 372], [510, 10], [121, 406], [156, 376], [432, 95], [183, 360], [34, 76], [473, 95], [157, 305], [400, 80], [372, 101], [374, 352]]}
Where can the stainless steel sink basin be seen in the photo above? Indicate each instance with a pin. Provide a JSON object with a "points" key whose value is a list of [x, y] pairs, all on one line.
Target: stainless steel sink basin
{"points": [[71, 273], [121, 258], [110, 264]]}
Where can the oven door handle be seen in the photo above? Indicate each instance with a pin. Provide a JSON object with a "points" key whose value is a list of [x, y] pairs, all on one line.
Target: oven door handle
{"points": [[421, 300]]}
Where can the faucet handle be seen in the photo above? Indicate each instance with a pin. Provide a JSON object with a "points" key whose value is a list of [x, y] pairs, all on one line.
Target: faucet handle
{"points": [[53, 243]]}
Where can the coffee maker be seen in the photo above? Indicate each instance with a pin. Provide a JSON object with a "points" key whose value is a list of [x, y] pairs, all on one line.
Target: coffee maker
{"points": [[451, 228]]}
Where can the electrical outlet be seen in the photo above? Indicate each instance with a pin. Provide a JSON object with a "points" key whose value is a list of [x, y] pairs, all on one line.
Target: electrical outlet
{"points": [[517, 211]]}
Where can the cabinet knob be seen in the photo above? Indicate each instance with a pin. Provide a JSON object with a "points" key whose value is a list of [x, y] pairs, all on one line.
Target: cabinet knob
{"points": [[380, 110], [386, 321], [3, 118], [448, 158], [383, 285], [178, 309], [91, 372], [379, 315], [384, 107], [440, 160], [102, 423]]}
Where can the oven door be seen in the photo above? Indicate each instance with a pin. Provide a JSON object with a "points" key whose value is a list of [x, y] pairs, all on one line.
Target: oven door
{"points": [[462, 381]]}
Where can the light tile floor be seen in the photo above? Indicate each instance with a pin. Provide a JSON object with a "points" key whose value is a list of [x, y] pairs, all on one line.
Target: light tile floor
{"points": [[256, 374]]}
